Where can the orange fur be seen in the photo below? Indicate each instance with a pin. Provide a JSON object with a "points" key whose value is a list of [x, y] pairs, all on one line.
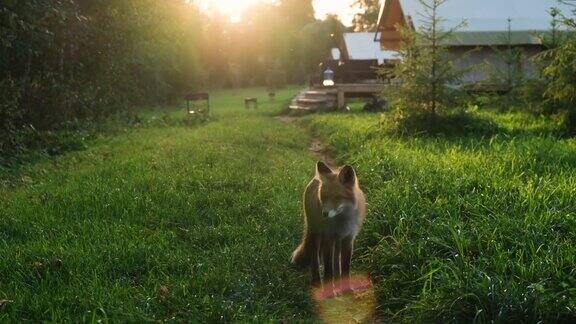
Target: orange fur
{"points": [[334, 209]]}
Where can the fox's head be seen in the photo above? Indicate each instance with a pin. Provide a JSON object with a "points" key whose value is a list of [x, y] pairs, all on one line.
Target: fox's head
{"points": [[336, 191]]}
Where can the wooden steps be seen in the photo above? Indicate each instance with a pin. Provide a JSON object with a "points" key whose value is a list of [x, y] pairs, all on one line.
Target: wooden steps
{"points": [[310, 100]]}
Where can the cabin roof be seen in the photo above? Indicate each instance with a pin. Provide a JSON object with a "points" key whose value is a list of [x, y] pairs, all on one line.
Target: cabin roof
{"points": [[494, 38], [361, 46], [485, 21]]}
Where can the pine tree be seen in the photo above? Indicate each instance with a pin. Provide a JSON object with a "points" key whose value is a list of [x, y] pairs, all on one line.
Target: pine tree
{"points": [[560, 73], [425, 69], [512, 75]]}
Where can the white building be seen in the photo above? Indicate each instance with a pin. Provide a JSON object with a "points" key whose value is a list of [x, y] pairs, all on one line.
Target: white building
{"points": [[485, 31]]}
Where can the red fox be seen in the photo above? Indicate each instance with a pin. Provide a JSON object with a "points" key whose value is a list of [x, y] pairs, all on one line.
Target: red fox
{"points": [[334, 208]]}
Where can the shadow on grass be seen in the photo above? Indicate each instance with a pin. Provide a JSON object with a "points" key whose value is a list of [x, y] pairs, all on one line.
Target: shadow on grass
{"points": [[33, 146], [539, 148], [449, 126], [477, 125]]}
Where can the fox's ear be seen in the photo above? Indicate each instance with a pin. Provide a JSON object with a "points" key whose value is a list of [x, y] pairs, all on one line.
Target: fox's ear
{"points": [[322, 168], [347, 176]]}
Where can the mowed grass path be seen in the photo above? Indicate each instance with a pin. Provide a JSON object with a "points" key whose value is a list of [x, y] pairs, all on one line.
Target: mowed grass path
{"points": [[191, 223]]}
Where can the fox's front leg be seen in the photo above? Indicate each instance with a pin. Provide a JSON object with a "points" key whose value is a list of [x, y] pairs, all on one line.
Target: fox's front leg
{"points": [[328, 256], [314, 259], [337, 258], [346, 254]]}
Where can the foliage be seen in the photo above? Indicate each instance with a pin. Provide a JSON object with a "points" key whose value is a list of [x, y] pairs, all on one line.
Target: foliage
{"points": [[560, 74], [67, 61], [317, 39], [529, 92], [367, 20], [426, 70], [266, 41], [70, 60], [512, 76]]}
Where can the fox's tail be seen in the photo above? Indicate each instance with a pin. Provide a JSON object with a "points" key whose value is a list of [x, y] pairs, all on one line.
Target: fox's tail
{"points": [[302, 256]]}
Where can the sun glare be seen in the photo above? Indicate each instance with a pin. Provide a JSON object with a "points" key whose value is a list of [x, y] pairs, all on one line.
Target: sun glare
{"points": [[233, 9]]}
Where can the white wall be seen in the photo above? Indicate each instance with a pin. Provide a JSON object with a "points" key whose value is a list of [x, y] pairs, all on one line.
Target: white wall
{"points": [[477, 60]]}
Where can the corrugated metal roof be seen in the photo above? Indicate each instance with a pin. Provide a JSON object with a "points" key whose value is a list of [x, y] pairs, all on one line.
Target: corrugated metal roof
{"points": [[361, 46], [490, 15], [486, 21], [494, 38]]}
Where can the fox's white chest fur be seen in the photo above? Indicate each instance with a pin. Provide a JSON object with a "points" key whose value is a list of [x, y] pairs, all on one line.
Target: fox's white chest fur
{"points": [[343, 221]]}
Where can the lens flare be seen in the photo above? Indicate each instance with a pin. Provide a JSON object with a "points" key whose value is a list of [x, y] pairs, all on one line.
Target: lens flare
{"points": [[346, 301]]}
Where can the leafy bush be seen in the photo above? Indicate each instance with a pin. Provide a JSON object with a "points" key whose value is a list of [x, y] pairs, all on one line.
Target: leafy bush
{"points": [[71, 60]]}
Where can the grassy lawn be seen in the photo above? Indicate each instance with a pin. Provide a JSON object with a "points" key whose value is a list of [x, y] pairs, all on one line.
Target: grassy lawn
{"points": [[465, 228], [196, 223]]}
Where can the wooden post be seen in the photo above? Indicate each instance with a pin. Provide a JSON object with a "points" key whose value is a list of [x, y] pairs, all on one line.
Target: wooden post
{"points": [[251, 102], [341, 100]]}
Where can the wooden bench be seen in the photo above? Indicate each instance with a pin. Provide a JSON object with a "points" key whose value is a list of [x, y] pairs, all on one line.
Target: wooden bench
{"points": [[251, 102], [197, 103]]}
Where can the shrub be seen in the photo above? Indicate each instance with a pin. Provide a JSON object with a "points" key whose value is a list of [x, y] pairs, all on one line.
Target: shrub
{"points": [[459, 123]]}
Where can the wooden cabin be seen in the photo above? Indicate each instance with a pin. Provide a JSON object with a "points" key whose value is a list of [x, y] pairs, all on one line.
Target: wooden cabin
{"points": [[490, 27], [356, 59], [354, 63]]}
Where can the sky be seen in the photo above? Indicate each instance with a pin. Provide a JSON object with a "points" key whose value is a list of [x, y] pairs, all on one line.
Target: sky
{"points": [[340, 7], [235, 8]]}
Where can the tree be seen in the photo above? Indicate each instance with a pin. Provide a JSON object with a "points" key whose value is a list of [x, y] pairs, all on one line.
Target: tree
{"points": [[513, 57], [317, 39], [65, 61], [367, 20], [426, 70], [510, 75], [214, 55], [561, 73], [532, 91], [297, 14]]}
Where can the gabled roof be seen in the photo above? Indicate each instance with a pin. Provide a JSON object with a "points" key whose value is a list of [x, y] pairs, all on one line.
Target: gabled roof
{"points": [[361, 46], [484, 16]]}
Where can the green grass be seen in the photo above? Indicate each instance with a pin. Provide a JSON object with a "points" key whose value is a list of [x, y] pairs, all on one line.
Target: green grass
{"points": [[465, 228], [210, 211], [196, 222]]}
